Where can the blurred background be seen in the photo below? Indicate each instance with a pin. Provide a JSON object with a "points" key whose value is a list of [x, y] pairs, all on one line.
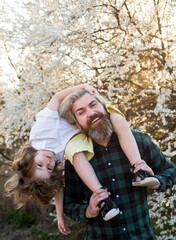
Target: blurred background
{"points": [[126, 49]]}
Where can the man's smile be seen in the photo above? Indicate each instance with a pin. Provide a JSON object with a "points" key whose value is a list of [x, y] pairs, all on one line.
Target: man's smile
{"points": [[95, 119]]}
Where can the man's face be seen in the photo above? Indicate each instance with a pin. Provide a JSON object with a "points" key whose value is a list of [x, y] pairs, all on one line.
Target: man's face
{"points": [[92, 117]]}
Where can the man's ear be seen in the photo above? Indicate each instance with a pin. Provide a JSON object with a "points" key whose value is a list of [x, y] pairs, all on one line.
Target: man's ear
{"points": [[77, 124]]}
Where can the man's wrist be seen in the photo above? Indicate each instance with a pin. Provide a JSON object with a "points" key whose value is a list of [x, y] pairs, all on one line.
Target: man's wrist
{"points": [[88, 216], [87, 212]]}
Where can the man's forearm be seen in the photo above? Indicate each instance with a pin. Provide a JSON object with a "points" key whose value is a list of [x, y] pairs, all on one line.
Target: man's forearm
{"points": [[77, 212], [167, 177], [163, 168]]}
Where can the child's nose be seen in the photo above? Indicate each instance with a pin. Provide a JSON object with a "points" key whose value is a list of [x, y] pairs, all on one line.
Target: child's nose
{"points": [[47, 161]]}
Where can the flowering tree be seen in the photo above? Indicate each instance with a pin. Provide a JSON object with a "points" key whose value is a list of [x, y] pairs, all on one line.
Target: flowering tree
{"points": [[126, 49]]}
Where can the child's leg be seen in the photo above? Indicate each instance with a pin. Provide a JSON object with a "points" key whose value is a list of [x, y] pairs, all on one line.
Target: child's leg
{"points": [[88, 176], [130, 148], [126, 138], [86, 171]]}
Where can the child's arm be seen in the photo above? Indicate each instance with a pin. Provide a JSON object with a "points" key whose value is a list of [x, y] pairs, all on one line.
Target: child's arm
{"points": [[85, 171], [59, 210], [55, 101], [126, 138]]}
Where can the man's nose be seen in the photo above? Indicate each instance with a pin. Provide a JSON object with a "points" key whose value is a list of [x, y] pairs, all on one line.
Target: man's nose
{"points": [[90, 113]]}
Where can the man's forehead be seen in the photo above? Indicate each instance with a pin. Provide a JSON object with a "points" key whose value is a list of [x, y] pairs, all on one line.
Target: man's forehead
{"points": [[83, 101]]}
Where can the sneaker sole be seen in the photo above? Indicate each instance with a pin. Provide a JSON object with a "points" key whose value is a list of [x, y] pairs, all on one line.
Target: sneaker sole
{"points": [[112, 213], [151, 181]]}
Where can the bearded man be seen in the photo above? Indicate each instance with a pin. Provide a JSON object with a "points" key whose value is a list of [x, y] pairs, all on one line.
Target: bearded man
{"points": [[112, 168]]}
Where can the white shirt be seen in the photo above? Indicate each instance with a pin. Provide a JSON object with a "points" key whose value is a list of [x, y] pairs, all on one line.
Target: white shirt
{"points": [[50, 132]]}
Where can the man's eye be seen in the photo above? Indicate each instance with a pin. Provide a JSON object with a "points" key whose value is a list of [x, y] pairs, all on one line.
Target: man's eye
{"points": [[81, 113]]}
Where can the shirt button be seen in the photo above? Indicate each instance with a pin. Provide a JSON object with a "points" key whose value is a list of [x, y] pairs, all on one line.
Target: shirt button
{"points": [[106, 149], [124, 229], [113, 179], [117, 196], [109, 164], [121, 212]]}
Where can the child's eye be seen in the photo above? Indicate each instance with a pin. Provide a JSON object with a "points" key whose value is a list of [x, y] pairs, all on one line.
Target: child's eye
{"points": [[50, 169], [39, 165], [93, 104]]}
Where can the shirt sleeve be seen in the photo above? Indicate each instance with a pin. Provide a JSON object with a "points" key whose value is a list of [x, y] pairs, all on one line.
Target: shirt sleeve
{"points": [[50, 132], [162, 167], [79, 143], [73, 195], [109, 107]]}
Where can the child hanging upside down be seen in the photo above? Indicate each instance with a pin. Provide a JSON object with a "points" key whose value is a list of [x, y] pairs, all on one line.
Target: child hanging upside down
{"points": [[39, 170]]}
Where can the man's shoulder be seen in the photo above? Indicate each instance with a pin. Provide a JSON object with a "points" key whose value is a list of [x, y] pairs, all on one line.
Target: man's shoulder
{"points": [[141, 137], [70, 171], [139, 133], [68, 164], [136, 133]]}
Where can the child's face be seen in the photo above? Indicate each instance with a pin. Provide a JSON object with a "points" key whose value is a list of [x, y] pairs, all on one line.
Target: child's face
{"points": [[45, 164]]}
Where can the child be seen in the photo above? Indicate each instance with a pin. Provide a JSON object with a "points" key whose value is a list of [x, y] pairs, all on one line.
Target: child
{"points": [[38, 176]]}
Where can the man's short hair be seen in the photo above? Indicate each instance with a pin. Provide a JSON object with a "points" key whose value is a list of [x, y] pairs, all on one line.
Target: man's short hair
{"points": [[65, 109]]}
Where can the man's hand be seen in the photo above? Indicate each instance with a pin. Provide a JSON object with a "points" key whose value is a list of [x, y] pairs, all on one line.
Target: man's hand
{"points": [[93, 209], [143, 166]]}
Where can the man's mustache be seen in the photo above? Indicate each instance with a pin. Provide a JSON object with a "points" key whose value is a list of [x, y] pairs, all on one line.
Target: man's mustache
{"points": [[93, 117]]}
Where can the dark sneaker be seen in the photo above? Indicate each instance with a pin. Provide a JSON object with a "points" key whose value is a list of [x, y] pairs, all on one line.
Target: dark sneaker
{"points": [[144, 179], [109, 210]]}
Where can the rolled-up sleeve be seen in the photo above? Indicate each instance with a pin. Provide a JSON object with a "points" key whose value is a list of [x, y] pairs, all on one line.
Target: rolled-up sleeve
{"points": [[162, 167], [51, 132]]}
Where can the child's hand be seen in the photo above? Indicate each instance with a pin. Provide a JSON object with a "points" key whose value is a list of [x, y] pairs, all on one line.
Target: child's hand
{"points": [[143, 166], [90, 89], [62, 228]]}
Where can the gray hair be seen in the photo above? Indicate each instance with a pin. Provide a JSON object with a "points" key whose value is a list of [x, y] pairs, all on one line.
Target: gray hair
{"points": [[65, 109]]}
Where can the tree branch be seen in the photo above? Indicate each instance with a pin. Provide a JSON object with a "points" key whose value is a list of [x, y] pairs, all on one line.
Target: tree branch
{"points": [[6, 157]]}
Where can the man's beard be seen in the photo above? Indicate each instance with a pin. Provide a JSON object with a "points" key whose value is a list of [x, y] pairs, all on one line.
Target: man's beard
{"points": [[102, 130]]}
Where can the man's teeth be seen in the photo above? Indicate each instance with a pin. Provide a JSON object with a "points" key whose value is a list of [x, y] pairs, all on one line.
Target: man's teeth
{"points": [[95, 119]]}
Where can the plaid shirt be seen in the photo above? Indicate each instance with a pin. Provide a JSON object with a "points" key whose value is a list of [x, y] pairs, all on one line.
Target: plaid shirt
{"points": [[113, 170]]}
